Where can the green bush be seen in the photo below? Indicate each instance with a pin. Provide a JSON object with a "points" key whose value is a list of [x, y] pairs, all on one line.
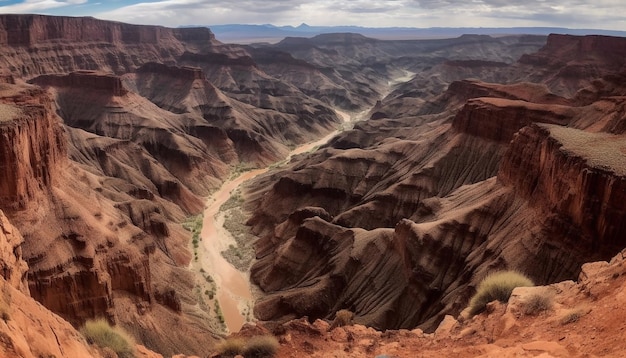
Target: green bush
{"points": [[100, 333], [497, 286], [261, 347]]}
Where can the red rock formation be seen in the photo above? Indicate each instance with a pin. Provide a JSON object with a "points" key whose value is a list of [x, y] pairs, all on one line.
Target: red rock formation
{"points": [[66, 44], [499, 119], [84, 79], [575, 179], [12, 266], [185, 72], [575, 61], [28, 30], [32, 146]]}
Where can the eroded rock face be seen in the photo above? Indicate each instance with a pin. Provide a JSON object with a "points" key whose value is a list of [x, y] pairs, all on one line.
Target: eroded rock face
{"points": [[28, 30], [32, 149], [12, 265], [89, 80], [499, 119], [575, 61], [68, 44], [576, 179]]}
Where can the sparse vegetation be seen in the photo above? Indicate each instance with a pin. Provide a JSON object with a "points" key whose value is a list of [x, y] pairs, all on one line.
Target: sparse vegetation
{"points": [[194, 225], [218, 312], [571, 317], [537, 303], [497, 286], [231, 347], [241, 254], [342, 318], [241, 168], [234, 201], [101, 333], [261, 347]]}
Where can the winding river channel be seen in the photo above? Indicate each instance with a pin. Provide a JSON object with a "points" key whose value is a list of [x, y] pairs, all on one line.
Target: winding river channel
{"points": [[233, 286]]}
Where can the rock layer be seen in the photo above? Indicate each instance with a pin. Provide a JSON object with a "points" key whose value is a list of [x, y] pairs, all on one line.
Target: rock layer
{"points": [[32, 149]]}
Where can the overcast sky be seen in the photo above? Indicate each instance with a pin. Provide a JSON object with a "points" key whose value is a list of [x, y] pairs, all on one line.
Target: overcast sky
{"points": [[597, 14]]}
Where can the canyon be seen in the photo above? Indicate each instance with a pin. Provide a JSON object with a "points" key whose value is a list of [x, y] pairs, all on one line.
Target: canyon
{"points": [[490, 153]]}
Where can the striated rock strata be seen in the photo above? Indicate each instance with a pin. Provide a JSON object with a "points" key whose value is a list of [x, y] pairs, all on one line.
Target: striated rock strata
{"points": [[414, 207], [32, 149]]}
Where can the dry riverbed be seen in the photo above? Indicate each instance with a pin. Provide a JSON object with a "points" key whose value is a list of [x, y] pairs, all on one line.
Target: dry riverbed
{"points": [[223, 251]]}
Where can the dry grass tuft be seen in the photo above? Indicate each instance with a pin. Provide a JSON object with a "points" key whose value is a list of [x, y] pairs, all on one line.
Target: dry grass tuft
{"points": [[231, 347], [101, 333], [497, 286], [342, 318], [261, 347], [537, 303], [571, 317]]}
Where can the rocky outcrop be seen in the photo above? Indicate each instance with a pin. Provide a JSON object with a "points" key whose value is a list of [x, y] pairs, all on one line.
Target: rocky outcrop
{"points": [[555, 204], [499, 119], [575, 61], [37, 44], [29, 30], [28, 329], [89, 80], [12, 266], [575, 179], [184, 72], [32, 149]]}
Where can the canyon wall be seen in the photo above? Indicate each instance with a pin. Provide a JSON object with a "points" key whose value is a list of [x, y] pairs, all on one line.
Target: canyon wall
{"points": [[37, 44], [29, 30], [33, 146], [577, 181], [89, 80]]}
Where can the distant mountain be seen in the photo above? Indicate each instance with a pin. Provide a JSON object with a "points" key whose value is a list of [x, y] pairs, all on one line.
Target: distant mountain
{"points": [[245, 34]]}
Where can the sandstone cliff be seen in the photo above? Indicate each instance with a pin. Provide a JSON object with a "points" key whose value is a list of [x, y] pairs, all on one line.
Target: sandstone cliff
{"points": [[91, 248], [573, 62], [32, 149], [66, 44], [577, 178]]}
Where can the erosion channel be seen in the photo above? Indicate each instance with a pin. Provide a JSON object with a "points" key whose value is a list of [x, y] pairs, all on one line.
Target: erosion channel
{"points": [[230, 286]]}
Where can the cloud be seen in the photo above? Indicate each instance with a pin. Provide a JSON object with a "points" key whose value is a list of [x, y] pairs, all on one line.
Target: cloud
{"points": [[37, 6], [606, 14], [184, 12]]}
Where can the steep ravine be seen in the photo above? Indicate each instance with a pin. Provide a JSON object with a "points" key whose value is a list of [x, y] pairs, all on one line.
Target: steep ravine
{"points": [[232, 286], [233, 292]]}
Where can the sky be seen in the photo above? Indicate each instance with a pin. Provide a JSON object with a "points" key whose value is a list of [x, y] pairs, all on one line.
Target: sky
{"points": [[589, 14]]}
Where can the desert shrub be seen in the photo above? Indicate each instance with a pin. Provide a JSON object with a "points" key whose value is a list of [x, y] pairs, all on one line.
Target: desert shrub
{"points": [[342, 318], [261, 347], [230, 347], [497, 286], [571, 317], [101, 333], [537, 303]]}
